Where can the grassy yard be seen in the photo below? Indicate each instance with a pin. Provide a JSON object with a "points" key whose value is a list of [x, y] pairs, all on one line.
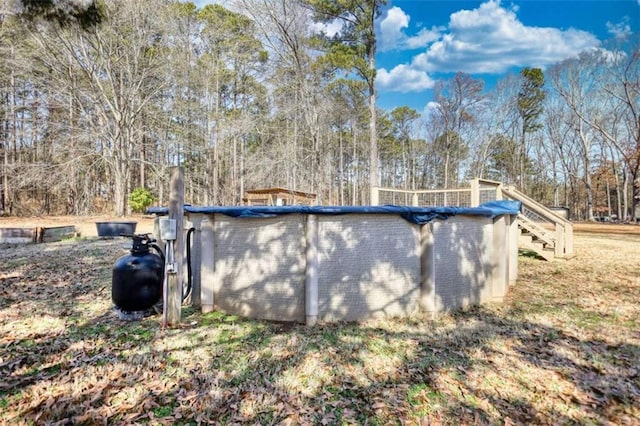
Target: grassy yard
{"points": [[564, 348]]}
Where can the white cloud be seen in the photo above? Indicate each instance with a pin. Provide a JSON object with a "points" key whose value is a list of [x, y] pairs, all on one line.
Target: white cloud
{"points": [[391, 28], [491, 39], [330, 29], [423, 38], [403, 79], [621, 30], [430, 109], [392, 35], [488, 39], [610, 56]]}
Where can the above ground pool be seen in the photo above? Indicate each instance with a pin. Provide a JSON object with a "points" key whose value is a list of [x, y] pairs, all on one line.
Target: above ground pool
{"points": [[317, 263]]}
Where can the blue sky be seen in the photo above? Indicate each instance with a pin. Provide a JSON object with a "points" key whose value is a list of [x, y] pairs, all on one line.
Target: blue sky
{"points": [[423, 41]]}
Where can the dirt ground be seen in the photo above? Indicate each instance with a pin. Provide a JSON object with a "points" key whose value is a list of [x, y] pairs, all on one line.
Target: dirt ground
{"points": [[606, 228], [85, 225]]}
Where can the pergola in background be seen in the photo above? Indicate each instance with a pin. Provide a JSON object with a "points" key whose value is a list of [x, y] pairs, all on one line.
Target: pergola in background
{"points": [[278, 197]]}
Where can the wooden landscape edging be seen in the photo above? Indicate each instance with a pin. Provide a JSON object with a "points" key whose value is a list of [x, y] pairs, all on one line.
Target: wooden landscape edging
{"points": [[36, 235], [55, 233], [18, 235]]}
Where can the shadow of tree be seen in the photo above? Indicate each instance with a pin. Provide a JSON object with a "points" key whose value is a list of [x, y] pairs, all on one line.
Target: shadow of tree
{"points": [[434, 379], [485, 365], [463, 262], [367, 266]]}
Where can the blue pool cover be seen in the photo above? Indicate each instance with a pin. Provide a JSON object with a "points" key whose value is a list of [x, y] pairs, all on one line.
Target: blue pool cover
{"points": [[417, 215]]}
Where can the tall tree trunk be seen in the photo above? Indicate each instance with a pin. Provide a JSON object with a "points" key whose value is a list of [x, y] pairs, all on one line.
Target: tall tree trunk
{"points": [[12, 131], [635, 191], [355, 177], [589, 195], [523, 156], [341, 166], [373, 133], [5, 171], [609, 210], [119, 193], [625, 191]]}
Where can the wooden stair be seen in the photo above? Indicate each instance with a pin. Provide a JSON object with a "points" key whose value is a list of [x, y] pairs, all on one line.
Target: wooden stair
{"points": [[541, 230], [535, 238]]}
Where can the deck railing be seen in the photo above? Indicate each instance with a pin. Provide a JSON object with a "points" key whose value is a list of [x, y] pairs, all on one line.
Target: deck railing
{"points": [[553, 230], [479, 191]]}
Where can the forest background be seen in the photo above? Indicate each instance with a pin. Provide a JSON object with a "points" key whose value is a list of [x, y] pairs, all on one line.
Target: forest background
{"points": [[98, 101]]}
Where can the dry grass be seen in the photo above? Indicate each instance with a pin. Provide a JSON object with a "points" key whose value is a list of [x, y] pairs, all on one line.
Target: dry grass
{"points": [[563, 349]]}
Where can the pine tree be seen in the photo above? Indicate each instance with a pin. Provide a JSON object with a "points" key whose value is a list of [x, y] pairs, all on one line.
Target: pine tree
{"points": [[353, 49], [530, 107]]}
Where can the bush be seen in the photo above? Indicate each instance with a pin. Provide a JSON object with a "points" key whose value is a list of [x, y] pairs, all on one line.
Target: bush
{"points": [[140, 199]]}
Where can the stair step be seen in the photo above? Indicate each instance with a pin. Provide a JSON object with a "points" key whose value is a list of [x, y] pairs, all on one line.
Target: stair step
{"points": [[538, 227], [546, 252], [532, 239]]}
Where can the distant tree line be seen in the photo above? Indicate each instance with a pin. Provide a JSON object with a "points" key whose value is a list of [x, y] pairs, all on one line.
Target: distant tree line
{"points": [[97, 102]]}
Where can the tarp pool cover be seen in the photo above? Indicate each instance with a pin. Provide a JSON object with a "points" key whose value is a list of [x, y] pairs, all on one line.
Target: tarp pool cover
{"points": [[417, 215]]}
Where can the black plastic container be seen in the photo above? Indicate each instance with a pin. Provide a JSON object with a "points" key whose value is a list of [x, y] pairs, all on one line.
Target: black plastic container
{"points": [[136, 282], [115, 229]]}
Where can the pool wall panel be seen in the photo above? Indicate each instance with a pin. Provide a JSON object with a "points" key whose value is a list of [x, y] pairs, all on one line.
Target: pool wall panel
{"points": [[362, 265], [369, 266], [259, 267], [463, 261]]}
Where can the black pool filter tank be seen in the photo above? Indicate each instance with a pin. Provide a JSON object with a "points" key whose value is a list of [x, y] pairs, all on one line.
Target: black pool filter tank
{"points": [[136, 282]]}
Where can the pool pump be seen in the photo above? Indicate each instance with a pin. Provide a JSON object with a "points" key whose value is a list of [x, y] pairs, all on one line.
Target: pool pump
{"points": [[136, 283]]}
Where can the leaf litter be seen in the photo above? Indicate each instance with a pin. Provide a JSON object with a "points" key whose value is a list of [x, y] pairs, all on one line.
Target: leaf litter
{"points": [[563, 348]]}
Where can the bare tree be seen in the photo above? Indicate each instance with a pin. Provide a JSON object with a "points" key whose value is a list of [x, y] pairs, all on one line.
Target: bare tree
{"points": [[603, 92], [576, 82], [121, 66], [284, 26], [456, 103]]}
